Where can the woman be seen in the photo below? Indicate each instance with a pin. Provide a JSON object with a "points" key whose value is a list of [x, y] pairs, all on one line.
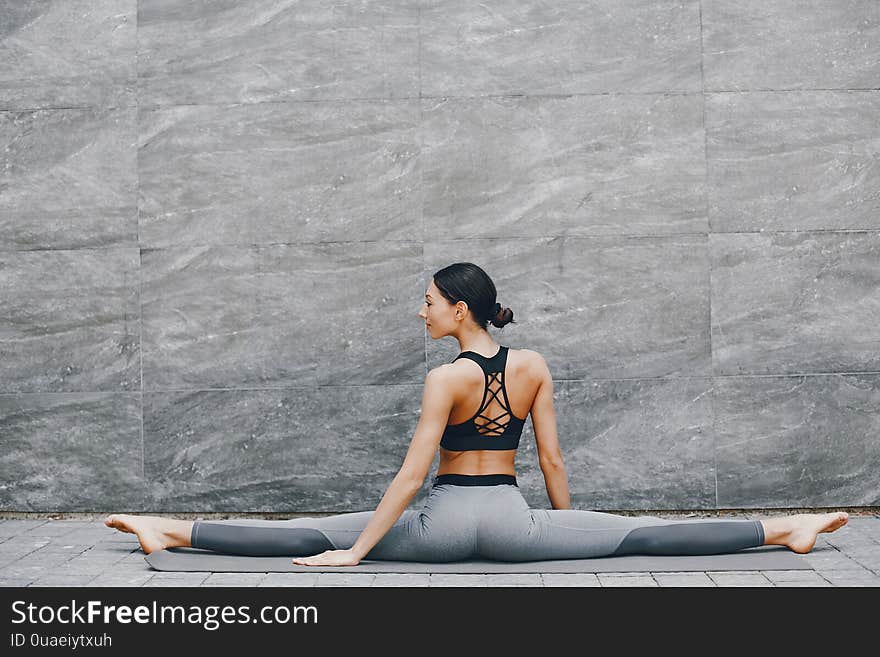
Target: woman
{"points": [[475, 509]]}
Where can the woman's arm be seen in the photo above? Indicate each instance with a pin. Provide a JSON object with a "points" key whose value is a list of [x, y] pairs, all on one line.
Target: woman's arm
{"points": [[556, 482], [437, 401], [395, 500], [549, 452]]}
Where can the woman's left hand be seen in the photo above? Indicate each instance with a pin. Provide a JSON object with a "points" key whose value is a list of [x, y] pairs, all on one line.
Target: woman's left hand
{"points": [[330, 558]]}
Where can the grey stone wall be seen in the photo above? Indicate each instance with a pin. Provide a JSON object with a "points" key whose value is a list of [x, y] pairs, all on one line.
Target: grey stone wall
{"points": [[217, 222]]}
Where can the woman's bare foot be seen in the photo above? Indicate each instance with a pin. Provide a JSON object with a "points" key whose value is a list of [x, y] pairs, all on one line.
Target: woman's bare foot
{"points": [[799, 532], [153, 532]]}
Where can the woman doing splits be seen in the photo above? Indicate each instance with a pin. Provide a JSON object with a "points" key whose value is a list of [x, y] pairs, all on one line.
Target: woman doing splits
{"points": [[473, 409]]}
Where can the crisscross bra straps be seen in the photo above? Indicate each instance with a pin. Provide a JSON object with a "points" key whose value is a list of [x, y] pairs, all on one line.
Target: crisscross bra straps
{"points": [[485, 430]]}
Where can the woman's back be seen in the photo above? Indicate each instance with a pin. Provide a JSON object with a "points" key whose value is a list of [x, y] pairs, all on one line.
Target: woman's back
{"points": [[488, 406]]}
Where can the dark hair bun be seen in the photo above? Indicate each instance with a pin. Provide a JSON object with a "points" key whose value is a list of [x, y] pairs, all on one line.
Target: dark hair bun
{"points": [[502, 316]]}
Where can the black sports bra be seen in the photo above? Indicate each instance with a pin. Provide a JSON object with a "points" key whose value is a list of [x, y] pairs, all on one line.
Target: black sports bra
{"points": [[501, 432]]}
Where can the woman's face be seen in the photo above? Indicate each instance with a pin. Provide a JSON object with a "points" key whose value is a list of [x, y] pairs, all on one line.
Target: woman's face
{"points": [[439, 315]]}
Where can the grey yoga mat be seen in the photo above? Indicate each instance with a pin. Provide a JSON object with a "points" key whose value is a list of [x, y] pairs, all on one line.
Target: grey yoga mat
{"points": [[768, 557]]}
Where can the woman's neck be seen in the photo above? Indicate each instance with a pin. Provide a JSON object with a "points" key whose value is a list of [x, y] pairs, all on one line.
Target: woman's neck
{"points": [[481, 344]]}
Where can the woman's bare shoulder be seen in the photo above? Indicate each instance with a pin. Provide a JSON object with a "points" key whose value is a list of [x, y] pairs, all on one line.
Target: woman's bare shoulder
{"points": [[530, 355], [531, 362]]}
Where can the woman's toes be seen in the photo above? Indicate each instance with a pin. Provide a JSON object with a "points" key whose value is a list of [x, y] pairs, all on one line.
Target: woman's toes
{"points": [[119, 521], [834, 521]]}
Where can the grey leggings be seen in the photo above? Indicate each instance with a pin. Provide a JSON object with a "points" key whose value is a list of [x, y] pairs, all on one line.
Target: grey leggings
{"points": [[481, 521]]}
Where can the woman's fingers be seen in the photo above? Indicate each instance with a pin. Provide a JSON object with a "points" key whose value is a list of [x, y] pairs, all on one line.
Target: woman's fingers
{"points": [[329, 558]]}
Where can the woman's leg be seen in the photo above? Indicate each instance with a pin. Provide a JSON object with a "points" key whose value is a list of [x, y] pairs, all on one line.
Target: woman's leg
{"points": [[418, 535], [652, 535], [295, 537], [440, 531], [576, 534], [688, 537], [260, 538], [300, 537], [511, 531]]}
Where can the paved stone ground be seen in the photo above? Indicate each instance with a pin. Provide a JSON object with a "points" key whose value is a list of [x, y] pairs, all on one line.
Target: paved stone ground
{"points": [[88, 553]]}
